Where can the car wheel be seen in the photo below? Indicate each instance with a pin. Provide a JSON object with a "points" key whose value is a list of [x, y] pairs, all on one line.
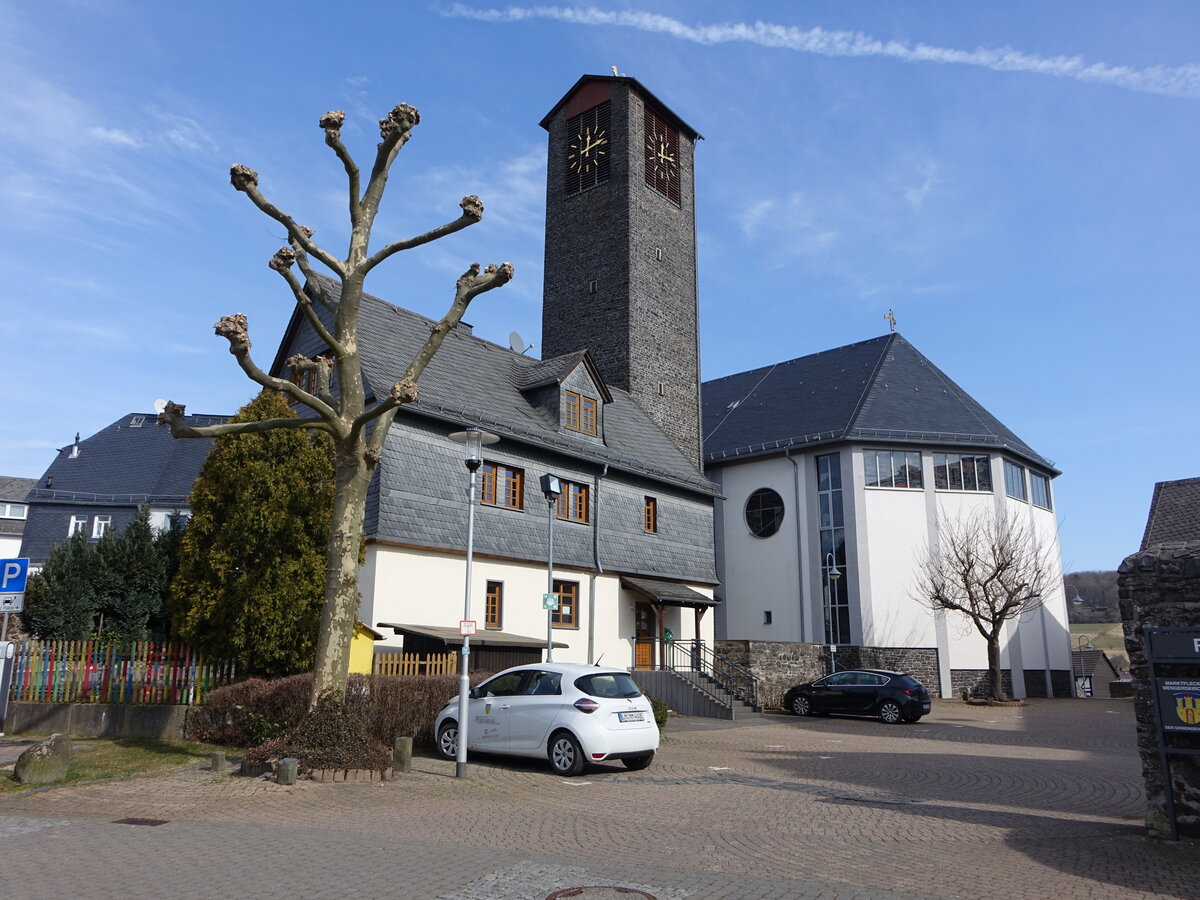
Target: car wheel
{"points": [[801, 705], [447, 739], [637, 763], [889, 712], [566, 756]]}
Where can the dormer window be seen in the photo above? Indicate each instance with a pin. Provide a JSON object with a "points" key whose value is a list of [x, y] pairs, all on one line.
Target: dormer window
{"points": [[579, 412]]}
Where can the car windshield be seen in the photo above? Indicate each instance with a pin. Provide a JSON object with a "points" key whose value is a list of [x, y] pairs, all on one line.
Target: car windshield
{"points": [[612, 685]]}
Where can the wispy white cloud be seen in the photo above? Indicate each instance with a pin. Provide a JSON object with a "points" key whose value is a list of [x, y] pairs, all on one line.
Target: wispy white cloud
{"points": [[916, 194], [1173, 81], [114, 136]]}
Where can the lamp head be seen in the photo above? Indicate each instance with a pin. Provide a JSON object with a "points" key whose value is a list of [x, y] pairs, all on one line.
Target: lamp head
{"points": [[473, 440], [551, 487]]}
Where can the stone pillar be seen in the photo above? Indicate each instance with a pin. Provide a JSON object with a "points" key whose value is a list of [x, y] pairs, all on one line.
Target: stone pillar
{"points": [[1160, 587]]}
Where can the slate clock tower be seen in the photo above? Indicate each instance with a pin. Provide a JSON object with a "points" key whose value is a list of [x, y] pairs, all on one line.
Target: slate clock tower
{"points": [[620, 276]]}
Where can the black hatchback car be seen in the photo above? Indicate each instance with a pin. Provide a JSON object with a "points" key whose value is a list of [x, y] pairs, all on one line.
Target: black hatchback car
{"points": [[893, 696]]}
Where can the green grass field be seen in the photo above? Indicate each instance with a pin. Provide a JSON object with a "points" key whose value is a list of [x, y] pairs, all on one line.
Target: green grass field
{"points": [[94, 760]]}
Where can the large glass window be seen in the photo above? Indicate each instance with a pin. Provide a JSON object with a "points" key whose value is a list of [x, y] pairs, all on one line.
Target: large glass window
{"points": [[1014, 481], [764, 512], [1039, 489], [832, 528], [893, 468], [959, 472]]}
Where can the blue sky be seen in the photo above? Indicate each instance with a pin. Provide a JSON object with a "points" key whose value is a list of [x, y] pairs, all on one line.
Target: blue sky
{"points": [[1018, 181]]}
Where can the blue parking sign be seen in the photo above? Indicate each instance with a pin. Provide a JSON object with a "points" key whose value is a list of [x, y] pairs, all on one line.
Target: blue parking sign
{"points": [[13, 575]]}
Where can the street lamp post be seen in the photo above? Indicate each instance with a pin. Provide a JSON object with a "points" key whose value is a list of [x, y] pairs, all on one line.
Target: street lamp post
{"points": [[472, 440], [1077, 600], [831, 570], [551, 488]]}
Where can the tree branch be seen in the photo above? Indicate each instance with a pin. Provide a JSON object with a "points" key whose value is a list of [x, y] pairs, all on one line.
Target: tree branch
{"points": [[245, 179], [395, 129], [174, 413], [233, 329], [470, 285], [331, 122], [472, 209], [281, 262]]}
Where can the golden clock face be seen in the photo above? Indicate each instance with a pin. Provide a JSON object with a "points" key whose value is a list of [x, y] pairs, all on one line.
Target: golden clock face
{"points": [[660, 155], [587, 150]]}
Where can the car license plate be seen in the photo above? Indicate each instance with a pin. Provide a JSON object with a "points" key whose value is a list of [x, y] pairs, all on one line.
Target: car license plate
{"points": [[631, 716], [924, 707]]}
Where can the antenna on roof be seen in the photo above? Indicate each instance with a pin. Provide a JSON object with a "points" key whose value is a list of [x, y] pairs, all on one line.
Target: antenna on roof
{"points": [[516, 343], [159, 405]]}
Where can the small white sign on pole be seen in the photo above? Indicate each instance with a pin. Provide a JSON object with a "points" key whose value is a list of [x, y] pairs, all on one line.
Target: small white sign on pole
{"points": [[466, 627], [12, 603]]}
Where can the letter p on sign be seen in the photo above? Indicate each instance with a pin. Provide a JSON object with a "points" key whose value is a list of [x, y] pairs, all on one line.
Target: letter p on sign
{"points": [[13, 575]]}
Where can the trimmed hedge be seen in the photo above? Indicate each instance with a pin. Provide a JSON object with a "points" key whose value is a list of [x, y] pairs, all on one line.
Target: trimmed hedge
{"points": [[272, 720]]}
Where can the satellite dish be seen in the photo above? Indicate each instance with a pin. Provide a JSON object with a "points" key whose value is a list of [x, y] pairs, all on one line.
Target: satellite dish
{"points": [[159, 405], [516, 343]]}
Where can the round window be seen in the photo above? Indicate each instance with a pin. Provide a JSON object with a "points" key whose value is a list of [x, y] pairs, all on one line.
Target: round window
{"points": [[764, 512]]}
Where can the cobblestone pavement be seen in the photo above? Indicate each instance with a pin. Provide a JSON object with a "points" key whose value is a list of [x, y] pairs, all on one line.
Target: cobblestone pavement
{"points": [[971, 802]]}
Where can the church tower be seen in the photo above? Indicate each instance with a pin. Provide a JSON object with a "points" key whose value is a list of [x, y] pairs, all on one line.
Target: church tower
{"points": [[620, 275]]}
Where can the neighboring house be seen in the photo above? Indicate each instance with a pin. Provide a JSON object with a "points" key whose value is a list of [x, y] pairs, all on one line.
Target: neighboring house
{"points": [[1174, 513], [98, 484], [612, 410], [13, 513], [1094, 672], [848, 459]]}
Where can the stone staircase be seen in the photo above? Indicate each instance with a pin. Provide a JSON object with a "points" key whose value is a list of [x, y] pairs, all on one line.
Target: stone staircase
{"points": [[691, 693]]}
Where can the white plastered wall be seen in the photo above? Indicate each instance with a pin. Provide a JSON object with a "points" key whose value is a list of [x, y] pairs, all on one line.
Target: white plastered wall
{"points": [[426, 587]]}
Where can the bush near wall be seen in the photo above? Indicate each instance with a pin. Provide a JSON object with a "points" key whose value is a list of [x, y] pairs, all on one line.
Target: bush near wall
{"points": [[271, 718]]}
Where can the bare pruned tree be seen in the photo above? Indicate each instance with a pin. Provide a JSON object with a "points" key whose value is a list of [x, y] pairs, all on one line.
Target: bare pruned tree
{"points": [[989, 567], [358, 427]]}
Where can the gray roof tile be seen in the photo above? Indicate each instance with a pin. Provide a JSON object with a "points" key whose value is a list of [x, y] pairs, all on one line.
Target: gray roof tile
{"points": [[1174, 513]]}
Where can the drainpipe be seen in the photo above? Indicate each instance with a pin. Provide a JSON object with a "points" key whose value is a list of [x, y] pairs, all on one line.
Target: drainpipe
{"points": [[804, 629], [598, 569]]}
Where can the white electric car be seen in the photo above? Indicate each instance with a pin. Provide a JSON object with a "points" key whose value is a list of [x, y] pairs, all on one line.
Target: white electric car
{"points": [[569, 714]]}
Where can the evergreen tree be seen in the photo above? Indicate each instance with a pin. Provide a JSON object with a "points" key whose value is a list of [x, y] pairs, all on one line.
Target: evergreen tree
{"points": [[250, 582], [61, 600], [131, 579]]}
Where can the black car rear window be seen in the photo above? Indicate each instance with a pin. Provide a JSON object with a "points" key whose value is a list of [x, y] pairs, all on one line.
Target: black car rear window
{"points": [[907, 681], [612, 685]]}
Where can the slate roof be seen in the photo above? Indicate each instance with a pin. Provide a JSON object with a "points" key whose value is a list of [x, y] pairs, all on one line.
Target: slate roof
{"points": [[883, 390], [13, 489], [126, 463], [1174, 513], [474, 380], [1088, 662]]}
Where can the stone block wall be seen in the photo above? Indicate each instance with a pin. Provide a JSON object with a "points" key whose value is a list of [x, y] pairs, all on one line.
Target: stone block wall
{"points": [[978, 683], [1160, 588], [779, 665]]}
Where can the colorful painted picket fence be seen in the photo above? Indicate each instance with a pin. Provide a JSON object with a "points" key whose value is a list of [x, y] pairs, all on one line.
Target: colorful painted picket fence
{"points": [[415, 664], [105, 672]]}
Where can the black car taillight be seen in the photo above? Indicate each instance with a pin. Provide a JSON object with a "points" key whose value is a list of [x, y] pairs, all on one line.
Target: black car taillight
{"points": [[911, 693], [583, 704]]}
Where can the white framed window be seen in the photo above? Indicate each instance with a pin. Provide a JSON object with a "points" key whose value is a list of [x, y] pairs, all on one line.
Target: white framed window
{"points": [[893, 468], [13, 510], [100, 525], [1039, 490], [78, 525], [1014, 481], [962, 472]]}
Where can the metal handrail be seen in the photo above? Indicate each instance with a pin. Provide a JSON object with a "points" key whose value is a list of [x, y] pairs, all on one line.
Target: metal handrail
{"points": [[696, 656]]}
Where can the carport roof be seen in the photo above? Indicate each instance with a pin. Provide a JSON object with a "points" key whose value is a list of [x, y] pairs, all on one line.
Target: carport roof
{"points": [[668, 593]]}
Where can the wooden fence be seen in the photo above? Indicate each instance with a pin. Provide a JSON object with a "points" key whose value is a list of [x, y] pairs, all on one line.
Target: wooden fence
{"points": [[103, 672], [415, 664]]}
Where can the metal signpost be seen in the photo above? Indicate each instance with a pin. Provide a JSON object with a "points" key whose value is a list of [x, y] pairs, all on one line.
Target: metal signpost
{"points": [[1176, 698], [7, 652], [13, 575]]}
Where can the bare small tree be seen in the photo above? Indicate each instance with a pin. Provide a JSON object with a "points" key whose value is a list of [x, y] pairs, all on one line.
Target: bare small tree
{"points": [[358, 428], [989, 567]]}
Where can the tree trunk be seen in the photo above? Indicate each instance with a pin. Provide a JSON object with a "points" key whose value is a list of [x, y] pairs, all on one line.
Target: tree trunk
{"points": [[995, 674], [340, 612]]}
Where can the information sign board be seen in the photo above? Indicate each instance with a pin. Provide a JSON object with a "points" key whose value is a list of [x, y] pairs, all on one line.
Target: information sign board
{"points": [[549, 601]]}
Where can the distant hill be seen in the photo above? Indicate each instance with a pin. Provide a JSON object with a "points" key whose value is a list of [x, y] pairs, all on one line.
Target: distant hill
{"points": [[1098, 590]]}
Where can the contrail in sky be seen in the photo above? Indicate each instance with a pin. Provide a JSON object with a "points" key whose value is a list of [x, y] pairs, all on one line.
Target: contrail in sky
{"points": [[1173, 81]]}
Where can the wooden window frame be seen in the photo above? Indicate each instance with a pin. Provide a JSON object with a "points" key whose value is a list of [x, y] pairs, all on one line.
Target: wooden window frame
{"points": [[493, 609], [571, 410], [581, 412], [512, 496], [650, 518], [307, 380], [568, 594], [574, 502]]}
